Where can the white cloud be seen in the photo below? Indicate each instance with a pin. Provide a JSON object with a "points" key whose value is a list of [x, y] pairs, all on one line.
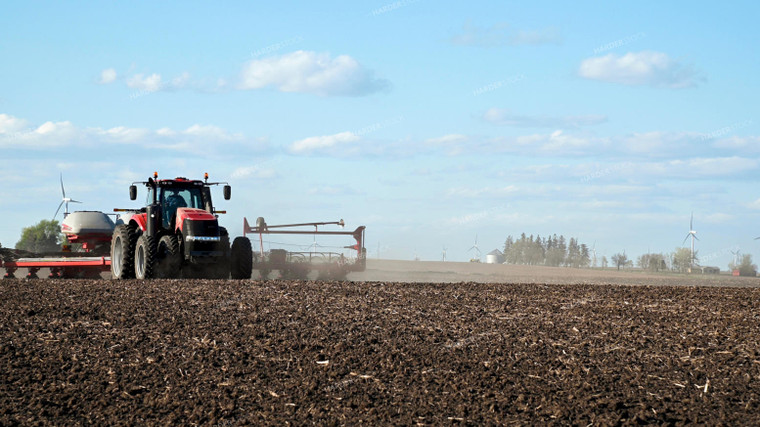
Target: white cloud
{"points": [[754, 205], [211, 133], [695, 168], [16, 133], [196, 139], [447, 139], [166, 132], [712, 167], [300, 71], [502, 34], [558, 143], [151, 83], [255, 171], [468, 219], [640, 68], [155, 82], [125, 134], [656, 143], [454, 144], [10, 124], [61, 130], [180, 81], [749, 144], [505, 117], [311, 72], [107, 76], [502, 215], [324, 144]]}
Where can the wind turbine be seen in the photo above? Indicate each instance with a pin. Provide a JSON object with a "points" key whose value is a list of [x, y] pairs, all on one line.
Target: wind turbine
{"points": [[693, 234], [65, 201], [444, 254], [477, 250], [593, 250], [736, 257]]}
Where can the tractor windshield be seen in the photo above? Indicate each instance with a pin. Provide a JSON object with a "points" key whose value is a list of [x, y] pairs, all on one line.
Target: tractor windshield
{"points": [[177, 197], [182, 198]]}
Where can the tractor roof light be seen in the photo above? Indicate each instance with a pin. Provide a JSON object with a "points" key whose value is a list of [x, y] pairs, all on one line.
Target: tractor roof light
{"points": [[205, 176], [155, 175]]}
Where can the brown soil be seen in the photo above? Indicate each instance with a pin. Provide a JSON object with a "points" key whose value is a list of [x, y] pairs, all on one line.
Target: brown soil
{"points": [[230, 352]]}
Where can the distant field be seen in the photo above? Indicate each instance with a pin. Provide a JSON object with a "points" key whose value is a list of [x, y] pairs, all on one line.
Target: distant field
{"points": [[381, 270], [453, 272]]}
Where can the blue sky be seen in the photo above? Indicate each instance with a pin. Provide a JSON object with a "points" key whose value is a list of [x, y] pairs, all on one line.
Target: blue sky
{"points": [[428, 122]]}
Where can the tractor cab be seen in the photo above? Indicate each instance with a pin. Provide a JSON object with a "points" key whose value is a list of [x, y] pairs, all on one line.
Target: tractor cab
{"points": [[179, 193]]}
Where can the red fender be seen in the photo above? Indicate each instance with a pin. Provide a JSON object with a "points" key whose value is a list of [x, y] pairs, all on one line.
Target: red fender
{"points": [[141, 220]]}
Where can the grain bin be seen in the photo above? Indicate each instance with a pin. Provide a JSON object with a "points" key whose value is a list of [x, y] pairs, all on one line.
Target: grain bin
{"points": [[494, 257]]}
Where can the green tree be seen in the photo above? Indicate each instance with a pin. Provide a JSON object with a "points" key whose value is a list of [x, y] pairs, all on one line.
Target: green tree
{"points": [[585, 256], [573, 253], [45, 236], [508, 244], [555, 254], [682, 260]]}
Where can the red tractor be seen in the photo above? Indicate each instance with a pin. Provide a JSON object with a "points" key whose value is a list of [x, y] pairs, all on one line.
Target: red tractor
{"points": [[177, 235]]}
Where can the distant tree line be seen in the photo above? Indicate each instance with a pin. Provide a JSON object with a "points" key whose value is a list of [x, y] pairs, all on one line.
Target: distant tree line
{"points": [[681, 260], [653, 262], [554, 251], [557, 251]]}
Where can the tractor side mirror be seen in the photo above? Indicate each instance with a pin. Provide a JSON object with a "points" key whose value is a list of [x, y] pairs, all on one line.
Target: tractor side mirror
{"points": [[132, 192], [227, 192]]}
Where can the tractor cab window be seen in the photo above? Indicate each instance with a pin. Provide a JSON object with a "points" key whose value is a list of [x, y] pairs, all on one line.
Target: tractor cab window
{"points": [[207, 200], [174, 198]]}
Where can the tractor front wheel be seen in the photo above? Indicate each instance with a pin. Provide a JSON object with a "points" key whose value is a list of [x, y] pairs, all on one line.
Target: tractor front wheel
{"points": [[241, 258], [145, 257], [221, 270], [169, 257]]}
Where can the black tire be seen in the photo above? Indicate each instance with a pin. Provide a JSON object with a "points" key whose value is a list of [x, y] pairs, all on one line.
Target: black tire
{"points": [[241, 258], [123, 252], [221, 270], [168, 258], [145, 257]]}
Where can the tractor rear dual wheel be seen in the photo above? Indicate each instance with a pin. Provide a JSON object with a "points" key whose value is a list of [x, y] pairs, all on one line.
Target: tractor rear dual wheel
{"points": [[123, 252], [145, 257]]}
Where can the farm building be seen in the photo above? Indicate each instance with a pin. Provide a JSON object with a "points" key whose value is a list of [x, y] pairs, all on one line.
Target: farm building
{"points": [[495, 257]]}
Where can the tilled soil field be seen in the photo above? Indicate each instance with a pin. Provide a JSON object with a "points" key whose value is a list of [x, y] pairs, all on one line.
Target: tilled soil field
{"points": [[278, 352]]}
